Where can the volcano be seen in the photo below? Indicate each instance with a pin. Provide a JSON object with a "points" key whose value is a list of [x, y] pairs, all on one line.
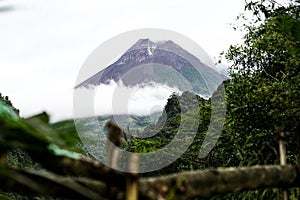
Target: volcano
{"points": [[162, 62]]}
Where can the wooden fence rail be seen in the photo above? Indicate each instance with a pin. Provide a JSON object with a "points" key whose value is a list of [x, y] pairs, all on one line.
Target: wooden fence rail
{"points": [[185, 185]]}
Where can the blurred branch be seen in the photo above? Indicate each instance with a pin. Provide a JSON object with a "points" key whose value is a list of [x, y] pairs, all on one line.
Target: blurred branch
{"points": [[83, 167], [210, 182], [36, 137], [6, 9], [36, 183], [183, 185]]}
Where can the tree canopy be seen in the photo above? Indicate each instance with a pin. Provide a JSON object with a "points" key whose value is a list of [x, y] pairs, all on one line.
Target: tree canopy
{"points": [[264, 91]]}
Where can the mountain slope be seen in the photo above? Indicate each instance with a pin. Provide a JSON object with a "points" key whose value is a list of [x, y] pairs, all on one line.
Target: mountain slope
{"points": [[163, 62]]}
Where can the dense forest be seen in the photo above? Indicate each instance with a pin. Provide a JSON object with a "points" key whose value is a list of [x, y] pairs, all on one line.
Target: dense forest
{"points": [[262, 101]]}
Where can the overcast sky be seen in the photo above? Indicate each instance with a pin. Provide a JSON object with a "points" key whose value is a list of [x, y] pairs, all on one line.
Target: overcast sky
{"points": [[43, 44]]}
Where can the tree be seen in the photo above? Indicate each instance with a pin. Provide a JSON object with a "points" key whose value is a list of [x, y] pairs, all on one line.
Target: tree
{"points": [[263, 94], [264, 91]]}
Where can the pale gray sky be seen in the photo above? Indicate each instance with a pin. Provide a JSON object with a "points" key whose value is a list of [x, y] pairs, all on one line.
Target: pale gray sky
{"points": [[44, 43]]}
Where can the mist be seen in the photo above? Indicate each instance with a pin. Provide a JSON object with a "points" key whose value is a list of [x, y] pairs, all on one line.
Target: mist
{"points": [[119, 99]]}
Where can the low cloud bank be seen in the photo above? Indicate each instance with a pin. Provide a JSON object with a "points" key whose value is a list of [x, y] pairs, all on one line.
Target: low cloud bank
{"points": [[118, 99]]}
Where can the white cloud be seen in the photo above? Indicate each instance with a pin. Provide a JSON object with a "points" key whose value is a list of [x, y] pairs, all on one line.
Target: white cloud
{"points": [[116, 98]]}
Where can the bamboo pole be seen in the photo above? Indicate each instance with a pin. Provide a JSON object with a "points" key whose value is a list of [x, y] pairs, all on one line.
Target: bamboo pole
{"points": [[132, 178], [282, 156]]}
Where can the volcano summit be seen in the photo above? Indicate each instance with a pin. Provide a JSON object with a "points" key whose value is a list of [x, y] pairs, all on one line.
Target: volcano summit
{"points": [[162, 62]]}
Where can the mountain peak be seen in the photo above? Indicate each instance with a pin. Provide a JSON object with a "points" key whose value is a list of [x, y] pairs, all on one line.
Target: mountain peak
{"points": [[142, 44], [163, 62], [168, 45]]}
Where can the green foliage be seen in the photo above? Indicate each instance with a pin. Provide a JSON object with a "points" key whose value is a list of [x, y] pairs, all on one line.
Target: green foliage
{"points": [[5, 197], [264, 90], [11, 126], [176, 113], [139, 145], [6, 100], [66, 131], [31, 134]]}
